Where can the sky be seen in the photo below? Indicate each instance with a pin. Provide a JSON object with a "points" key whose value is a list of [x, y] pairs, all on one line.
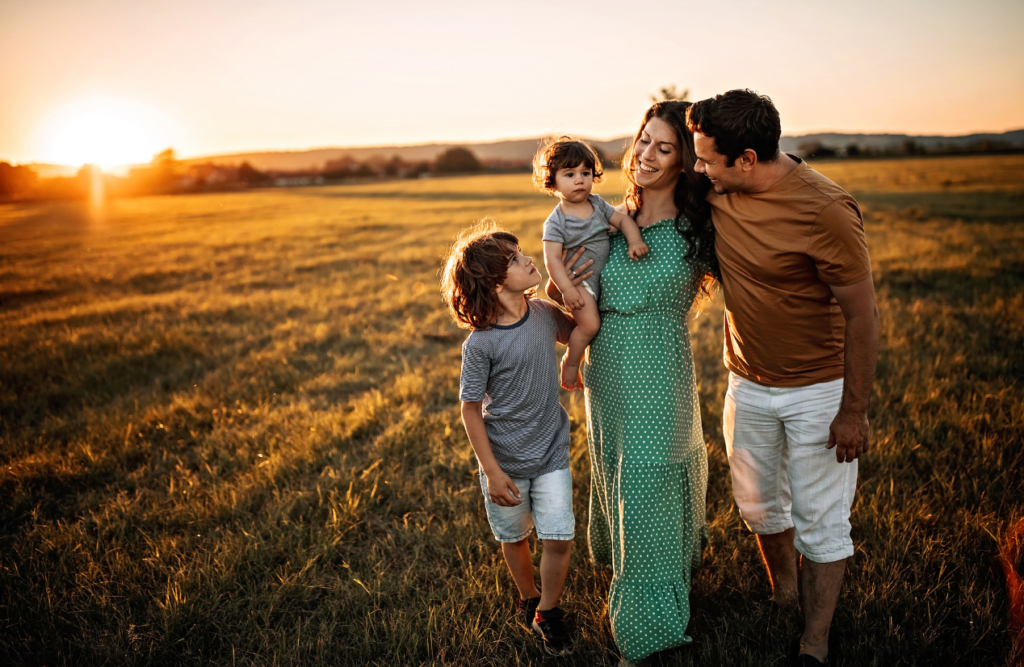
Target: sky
{"points": [[118, 80]]}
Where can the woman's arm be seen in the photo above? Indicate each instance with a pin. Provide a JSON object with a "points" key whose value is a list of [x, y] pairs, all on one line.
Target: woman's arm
{"points": [[500, 486], [572, 299]]}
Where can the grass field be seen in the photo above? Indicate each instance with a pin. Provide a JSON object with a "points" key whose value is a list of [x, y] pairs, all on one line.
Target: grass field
{"points": [[229, 434]]}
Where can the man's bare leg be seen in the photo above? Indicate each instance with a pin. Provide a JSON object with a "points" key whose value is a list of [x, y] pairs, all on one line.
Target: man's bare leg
{"points": [[821, 585], [779, 556]]}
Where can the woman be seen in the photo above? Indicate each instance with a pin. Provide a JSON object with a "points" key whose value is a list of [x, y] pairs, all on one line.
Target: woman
{"points": [[649, 465]]}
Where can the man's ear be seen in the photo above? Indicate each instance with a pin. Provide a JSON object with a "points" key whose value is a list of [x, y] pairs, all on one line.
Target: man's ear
{"points": [[748, 159]]}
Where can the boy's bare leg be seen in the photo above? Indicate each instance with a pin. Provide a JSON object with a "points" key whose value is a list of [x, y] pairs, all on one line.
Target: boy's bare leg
{"points": [[588, 322], [821, 585], [520, 566], [554, 566], [779, 556]]}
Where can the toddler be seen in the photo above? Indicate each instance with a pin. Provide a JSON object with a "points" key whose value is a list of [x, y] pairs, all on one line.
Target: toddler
{"points": [[569, 168], [510, 408]]}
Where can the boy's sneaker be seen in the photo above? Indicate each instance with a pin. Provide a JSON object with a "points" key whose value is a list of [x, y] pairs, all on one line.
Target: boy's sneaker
{"points": [[525, 611], [549, 624]]}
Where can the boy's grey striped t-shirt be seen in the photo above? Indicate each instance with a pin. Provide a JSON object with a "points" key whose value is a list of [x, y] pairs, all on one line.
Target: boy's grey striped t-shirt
{"points": [[514, 370]]}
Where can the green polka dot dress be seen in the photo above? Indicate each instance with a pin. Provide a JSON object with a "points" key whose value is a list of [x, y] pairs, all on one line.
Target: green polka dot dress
{"points": [[649, 465]]}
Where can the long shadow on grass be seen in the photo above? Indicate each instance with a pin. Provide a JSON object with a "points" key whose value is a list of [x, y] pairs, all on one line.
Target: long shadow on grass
{"points": [[90, 375]]}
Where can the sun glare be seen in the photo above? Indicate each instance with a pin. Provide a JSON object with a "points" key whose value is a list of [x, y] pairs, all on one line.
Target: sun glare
{"points": [[103, 131]]}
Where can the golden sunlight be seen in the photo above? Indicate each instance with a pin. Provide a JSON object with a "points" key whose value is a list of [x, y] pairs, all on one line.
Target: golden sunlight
{"points": [[103, 131]]}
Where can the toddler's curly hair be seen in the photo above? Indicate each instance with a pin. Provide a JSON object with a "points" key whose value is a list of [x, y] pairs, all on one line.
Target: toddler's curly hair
{"points": [[561, 153], [475, 265]]}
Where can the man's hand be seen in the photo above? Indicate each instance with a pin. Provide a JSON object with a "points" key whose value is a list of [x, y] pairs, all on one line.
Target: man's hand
{"points": [[502, 490], [849, 434], [577, 274]]}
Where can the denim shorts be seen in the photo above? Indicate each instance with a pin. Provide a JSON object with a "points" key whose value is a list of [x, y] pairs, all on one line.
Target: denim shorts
{"points": [[546, 503]]}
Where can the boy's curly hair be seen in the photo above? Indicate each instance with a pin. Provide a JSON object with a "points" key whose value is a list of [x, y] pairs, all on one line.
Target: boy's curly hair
{"points": [[475, 265], [561, 153]]}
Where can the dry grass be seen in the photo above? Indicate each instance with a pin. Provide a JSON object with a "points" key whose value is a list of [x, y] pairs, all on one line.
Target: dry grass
{"points": [[225, 438]]}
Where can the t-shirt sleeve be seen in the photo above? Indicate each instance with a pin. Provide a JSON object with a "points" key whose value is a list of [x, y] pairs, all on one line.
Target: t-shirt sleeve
{"points": [[476, 369], [606, 209], [562, 323], [837, 244], [554, 227]]}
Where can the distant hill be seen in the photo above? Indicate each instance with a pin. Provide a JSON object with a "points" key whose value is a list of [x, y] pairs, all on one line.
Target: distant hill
{"points": [[524, 149], [513, 149]]}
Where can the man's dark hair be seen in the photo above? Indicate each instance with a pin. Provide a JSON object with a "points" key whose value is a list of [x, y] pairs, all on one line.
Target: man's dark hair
{"points": [[738, 120]]}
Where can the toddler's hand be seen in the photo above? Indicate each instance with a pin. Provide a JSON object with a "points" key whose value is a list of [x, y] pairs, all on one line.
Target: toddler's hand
{"points": [[502, 490], [573, 300], [638, 250]]}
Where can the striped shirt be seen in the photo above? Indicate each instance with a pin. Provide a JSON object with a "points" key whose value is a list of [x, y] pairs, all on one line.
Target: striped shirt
{"points": [[513, 369]]}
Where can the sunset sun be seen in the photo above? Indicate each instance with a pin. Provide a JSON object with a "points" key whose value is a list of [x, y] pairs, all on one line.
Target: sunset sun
{"points": [[103, 131]]}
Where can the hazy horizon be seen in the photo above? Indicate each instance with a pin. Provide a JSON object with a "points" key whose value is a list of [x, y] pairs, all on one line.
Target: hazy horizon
{"points": [[215, 78]]}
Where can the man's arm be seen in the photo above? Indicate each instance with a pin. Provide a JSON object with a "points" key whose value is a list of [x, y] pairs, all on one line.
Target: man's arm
{"points": [[849, 432], [500, 486]]}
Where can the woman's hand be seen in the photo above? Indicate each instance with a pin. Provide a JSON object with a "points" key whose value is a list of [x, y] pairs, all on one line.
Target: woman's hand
{"points": [[577, 273], [502, 490]]}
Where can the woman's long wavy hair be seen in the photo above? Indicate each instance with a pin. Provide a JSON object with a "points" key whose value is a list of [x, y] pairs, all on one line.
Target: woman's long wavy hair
{"points": [[693, 221]]}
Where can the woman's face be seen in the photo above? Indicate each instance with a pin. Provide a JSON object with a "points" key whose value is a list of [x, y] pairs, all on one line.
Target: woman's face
{"points": [[658, 156]]}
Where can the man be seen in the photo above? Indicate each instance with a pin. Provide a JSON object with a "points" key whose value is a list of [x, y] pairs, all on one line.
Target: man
{"points": [[801, 340]]}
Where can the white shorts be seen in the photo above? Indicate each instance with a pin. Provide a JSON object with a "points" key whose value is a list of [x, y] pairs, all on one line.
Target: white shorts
{"points": [[782, 475]]}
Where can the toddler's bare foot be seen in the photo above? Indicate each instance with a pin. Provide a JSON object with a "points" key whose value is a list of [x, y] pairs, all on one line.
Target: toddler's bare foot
{"points": [[571, 378]]}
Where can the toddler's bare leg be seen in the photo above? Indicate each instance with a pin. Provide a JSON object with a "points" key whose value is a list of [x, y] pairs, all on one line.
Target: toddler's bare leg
{"points": [[588, 322]]}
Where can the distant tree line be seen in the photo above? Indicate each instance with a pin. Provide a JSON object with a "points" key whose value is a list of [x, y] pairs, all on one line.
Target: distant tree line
{"points": [[817, 149], [166, 174]]}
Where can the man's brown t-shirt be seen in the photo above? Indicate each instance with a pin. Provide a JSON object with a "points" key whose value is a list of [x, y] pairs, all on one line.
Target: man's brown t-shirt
{"points": [[779, 251]]}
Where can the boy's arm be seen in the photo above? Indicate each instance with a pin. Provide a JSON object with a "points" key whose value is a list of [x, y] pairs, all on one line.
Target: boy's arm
{"points": [[500, 486], [629, 229], [553, 262], [564, 324]]}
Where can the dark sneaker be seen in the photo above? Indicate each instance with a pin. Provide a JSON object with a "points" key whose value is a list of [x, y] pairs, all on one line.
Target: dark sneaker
{"points": [[549, 624], [525, 611]]}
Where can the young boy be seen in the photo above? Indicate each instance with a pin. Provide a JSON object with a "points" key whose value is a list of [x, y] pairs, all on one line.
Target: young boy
{"points": [[510, 408]]}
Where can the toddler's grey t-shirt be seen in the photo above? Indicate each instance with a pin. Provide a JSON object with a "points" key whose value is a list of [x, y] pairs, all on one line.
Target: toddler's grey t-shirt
{"points": [[513, 369], [592, 233]]}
